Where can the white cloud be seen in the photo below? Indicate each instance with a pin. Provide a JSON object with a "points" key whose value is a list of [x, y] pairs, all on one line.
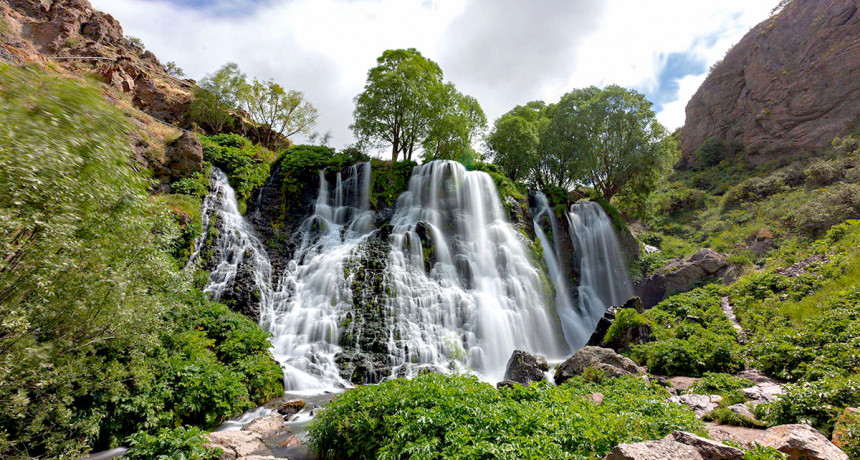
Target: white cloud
{"points": [[502, 52]]}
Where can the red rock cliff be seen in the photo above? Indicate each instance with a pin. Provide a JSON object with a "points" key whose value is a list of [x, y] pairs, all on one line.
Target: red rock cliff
{"points": [[792, 83]]}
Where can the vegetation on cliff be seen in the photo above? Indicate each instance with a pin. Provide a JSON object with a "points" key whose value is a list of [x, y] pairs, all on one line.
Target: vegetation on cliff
{"points": [[101, 335]]}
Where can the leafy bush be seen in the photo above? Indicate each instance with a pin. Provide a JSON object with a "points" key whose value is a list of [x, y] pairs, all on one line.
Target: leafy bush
{"points": [[246, 164], [714, 150], [456, 417], [834, 205], [300, 165], [389, 180], [717, 384], [692, 334], [815, 403], [678, 198], [760, 452], [625, 319], [756, 189], [197, 185], [824, 172], [170, 444]]}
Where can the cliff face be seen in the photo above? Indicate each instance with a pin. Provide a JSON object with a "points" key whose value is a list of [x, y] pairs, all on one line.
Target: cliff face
{"points": [[39, 31], [791, 84]]}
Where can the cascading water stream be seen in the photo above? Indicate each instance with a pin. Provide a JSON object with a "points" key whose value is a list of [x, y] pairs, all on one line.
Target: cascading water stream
{"points": [[603, 278], [575, 327], [314, 295], [236, 243], [464, 292]]}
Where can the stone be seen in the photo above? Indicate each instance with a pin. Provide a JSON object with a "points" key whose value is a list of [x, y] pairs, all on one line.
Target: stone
{"points": [[681, 383], [789, 85], [801, 442], [849, 417], [742, 410], [708, 449], [184, 156], [605, 359], [664, 449], [524, 367], [266, 426], [236, 444], [291, 407], [743, 436], [802, 266], [700, 404], [603, 325], [764, 392], [680, 275], [596, 398]]}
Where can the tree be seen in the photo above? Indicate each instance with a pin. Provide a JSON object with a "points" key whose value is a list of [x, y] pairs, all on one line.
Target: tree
{"points": [[395, 106], [173, 69], [216, 96], [455, 120], [514, 141], [606, 138], [277, 112]]}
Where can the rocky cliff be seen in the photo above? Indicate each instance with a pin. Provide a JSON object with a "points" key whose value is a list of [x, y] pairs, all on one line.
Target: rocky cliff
{"points": [[791, 84]]}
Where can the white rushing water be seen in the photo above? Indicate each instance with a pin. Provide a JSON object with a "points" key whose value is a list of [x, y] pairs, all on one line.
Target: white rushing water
{"points": [[603, 277], [466, 295], [236, 242], [575, 326], [314, 295]]}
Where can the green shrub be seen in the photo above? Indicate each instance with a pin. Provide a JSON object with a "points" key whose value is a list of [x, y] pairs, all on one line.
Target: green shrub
{"points": [[246, 164], [824, 172], [456, 417], [755, 189], [726, 416], [678, 198], [850, 436], [714, 150], [834, 205], [170, 444], [389, 180], [718, 384], [625, 319], [760, 452], [815, 403], [197, 185]]}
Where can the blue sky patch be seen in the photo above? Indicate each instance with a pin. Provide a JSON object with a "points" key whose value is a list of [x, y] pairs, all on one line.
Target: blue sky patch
{"points": [[675, 66]]}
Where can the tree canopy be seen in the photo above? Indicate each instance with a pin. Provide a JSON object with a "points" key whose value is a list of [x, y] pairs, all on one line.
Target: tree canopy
{"points": [[406, 104], [513, 143]]}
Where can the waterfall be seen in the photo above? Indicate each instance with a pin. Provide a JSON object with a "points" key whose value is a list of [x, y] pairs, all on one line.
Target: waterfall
{"points": [[313, 295], [574, 325], [235, 245], [603, 277], [464, 291]]}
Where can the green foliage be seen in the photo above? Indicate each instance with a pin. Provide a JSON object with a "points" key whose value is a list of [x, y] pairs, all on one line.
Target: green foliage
{"points": [[607, 138], [756, 189], [715, 150], [760, 452], [216, 96], [725, 416], [514, 140], [693, 336], [247, 165], [170, 444], [196, 185], [678, 198], [454, 417], [136, 42], [173, 69], [300, 165], [276, 112], [850, 436], [389, 180], [718, 384], [625, 319], [455, 121], [836, 204], [98, 336], [816, 403], [505, 186]]}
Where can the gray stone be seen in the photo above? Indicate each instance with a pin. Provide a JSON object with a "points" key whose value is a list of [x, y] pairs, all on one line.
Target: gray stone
{"points": [[611, 363], [700, 404], [524, 367], [709, 450], [801, 442]]}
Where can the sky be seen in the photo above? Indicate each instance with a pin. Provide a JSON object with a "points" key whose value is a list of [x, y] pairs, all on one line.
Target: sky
{"points": [[502, 52]]}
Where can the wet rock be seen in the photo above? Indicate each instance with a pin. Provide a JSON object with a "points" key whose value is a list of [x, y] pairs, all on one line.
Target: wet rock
{"points": [[708, 449], [291, 407], [681, 275], [801, 442], [790, 85], [605, 359], [700, 404], [664, 449], [524, 367]]}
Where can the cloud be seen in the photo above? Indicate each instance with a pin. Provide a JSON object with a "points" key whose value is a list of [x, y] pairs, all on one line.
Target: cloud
{"points": [[503, 52]]}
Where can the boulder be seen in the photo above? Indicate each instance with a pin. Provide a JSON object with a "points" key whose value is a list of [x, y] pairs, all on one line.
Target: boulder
{"points": [[849, 418], [266, 426], [664, 449], [683, 383], [764, 392], [184, 156], [745, 437], [700, 404], [237, 444], [742, 410], [680, 275], [708, 449], [801, 442], [603, 325], [611, 363], [790, 85], [524, 367], [291, 407]]}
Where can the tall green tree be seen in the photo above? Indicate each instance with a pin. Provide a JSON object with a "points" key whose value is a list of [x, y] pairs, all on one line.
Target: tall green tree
{"points": [[513, 144], [278, 113], [395, 106], [605, 138], [216, 96], [455, 121]]}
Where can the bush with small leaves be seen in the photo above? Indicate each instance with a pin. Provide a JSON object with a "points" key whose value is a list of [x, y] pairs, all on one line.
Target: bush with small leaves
{"points": [[170, 444]]}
